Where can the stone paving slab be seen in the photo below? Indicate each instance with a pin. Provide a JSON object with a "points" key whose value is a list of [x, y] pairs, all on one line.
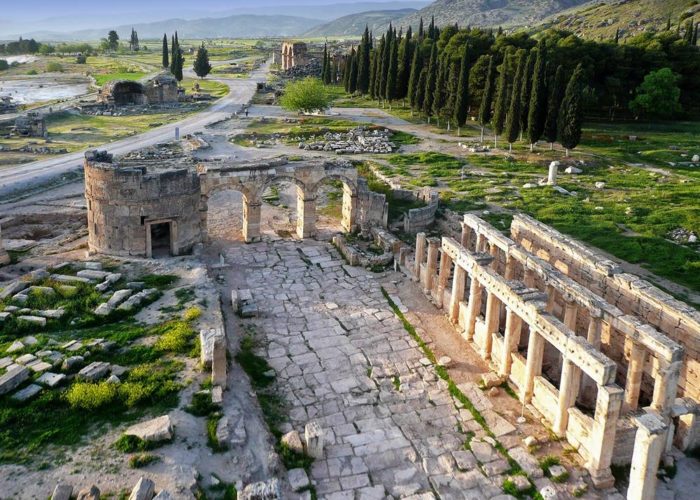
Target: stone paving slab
{"points": [[344, 360]]}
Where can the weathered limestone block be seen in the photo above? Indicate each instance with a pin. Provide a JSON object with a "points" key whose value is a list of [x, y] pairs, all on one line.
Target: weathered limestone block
{"points": [[62, 278], [14, 376], [292, 440], [263, 490], [144, 490], [135, 300], [51, 379], [157, 429], [35, 320], [94, 371], [62, 491], [219, 362], [108, 282], [92, 493], [163, 495], [298, 479], [92, 274], [313, 437], [117, 298], [15, 346], [27, 393], [207, 339], [223, 433]]}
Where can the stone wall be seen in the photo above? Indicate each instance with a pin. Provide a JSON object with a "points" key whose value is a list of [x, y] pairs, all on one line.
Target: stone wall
{"points": [[373, 209], [418, 219], [4, 256], [123, 201]]}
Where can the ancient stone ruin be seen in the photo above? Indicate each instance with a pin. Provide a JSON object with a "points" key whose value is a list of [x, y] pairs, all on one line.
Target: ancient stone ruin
{"points": [[4, 256], [30, 125], [161, 89], [151, 207], [293, 54], [607, 359]]}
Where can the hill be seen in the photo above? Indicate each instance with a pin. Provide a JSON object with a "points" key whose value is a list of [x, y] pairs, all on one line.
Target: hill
{"points": [[354, 24], [488, 13], [240, 26], [631, 17]]}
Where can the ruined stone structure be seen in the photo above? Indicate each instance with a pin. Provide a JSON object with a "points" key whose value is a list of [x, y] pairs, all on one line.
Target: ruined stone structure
{"points": [[30, 125], [418, 219], [293, 54], [600, 354], [145, 208], [4, 256], [161, 89]]}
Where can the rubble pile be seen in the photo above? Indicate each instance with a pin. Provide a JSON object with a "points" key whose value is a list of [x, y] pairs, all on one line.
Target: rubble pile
{"points": [[313, 68], [356, 141]]}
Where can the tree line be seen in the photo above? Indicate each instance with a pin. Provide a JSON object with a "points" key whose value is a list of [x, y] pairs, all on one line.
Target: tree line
{"points": [[518, 85]]}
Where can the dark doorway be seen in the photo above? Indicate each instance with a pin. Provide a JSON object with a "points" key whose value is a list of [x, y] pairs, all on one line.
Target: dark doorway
{"points": [[160, 240]]}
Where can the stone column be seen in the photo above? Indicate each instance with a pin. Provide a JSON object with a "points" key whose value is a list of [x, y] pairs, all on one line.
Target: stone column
{"points": [[349, 222], [635, 369], [551, 298], [4, 256], [568, 392], [493, 317], [306, 215], [219, 362], [466, 236], [431, 265], [649, 443], [666, 387], [480, 243], [251, 221], [529, 278], [552, 177], [493, 251], [473, 309], [510, 267], [533, 366], [602, 438], [570, 313], [458, 283], [510, 341], [445, 269], [420, 255], [593, 336]]}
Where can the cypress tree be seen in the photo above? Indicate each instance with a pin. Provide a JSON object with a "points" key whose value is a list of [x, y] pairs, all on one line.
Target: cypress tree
{"points": [[201, 65], [538, 100], [166, 58], [501, 106], [363, 64], [440, 97], [420, 89], [571, 112], [327, 78], [689, 30], [431, 29], [449, 111], [352, 79], [392, 73], [416, 68], [173, 59], [485, 109], [421, 31], [512, 129], [346, 73], [430, 80], [379, 62], [461, 102], [386, 61], [372, 73], [325, 63], [525, 90], [405, 59], [556, 94]]}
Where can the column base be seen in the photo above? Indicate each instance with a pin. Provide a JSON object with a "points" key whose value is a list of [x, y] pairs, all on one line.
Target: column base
{"points": [[602, 478]]}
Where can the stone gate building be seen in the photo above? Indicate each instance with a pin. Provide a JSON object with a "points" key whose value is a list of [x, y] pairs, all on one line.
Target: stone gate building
{"points": [[609, 360], [294, 54], [161, 89], [147, 208]]}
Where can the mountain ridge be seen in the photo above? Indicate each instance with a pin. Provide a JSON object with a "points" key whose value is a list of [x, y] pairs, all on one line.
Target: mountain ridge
{"points": [[354, 24]]}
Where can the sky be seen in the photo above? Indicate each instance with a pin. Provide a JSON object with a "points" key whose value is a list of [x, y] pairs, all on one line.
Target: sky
{"points": [[28, 16]]}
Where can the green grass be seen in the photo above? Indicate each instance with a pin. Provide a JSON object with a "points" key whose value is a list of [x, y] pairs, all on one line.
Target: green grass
{"points": [[140, 460], [101, 79]]}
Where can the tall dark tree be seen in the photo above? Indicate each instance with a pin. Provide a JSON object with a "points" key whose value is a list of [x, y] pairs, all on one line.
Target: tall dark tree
{"points": [[201, 65], [526, 89], [461, 101], [112, 40], [617, 36], [352, 79], [430, 80], [166, 56], [449, 110], [440, 96], [538, 99], [571, 112], [420, 89], [431, 29], [134, 41], [405, 59], [502, 100], [324, 67], [421, 31], [379, 64], [485, 109], [372, 74], [512, 129], [386, 61], [363, 63], [556, 94], [177, 59], [416, 69], [392, 73]]}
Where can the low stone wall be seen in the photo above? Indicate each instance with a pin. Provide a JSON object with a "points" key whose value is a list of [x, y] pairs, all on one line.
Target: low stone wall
{"points": [[356, 257], [373, 209], [418, 219]]}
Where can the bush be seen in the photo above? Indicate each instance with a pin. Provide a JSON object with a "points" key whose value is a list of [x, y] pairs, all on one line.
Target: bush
{"points": [[91, 396], [142, 460], [54, 67], [176, 337], [201, 405], [305, 96], [4, 65], [129, 444], [192, 313]]}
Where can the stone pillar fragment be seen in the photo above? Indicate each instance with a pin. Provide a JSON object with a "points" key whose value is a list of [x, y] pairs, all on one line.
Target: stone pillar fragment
{"points": [[466, 236], [568, 392], [306, 215], [649, 444], [443, 276], [666, 387], [251, 221], [533, 366], [420, 255], [219, 363], [313, 437], [552, 174], [493, 316], [473, 309], [350, 204], [602, 438], [431, 265], [458, 283], [635, 370], [510, 341]]}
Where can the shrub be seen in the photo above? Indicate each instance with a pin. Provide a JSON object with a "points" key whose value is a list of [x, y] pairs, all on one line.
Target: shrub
{"points": [[192, 313], [4, 65], [201, 404], [91, 396], [130, 444], [176, 337], [54, 67], [305, 96], [142, 460]]}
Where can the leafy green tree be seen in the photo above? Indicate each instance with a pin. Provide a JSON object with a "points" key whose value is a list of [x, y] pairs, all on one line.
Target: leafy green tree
{"points": [[112, 40], [166, 58], [201, 66], [461, 100], [658, 95], [571, 112], [538, 99], [512, 129], [305, 96], [485, 108], [556, 94]]}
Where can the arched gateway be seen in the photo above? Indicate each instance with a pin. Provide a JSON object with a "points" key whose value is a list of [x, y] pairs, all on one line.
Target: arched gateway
{"points": [[146, 207]]}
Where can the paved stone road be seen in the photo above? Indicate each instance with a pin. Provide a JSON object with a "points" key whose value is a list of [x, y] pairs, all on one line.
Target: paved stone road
{"points": [[344, 360]]}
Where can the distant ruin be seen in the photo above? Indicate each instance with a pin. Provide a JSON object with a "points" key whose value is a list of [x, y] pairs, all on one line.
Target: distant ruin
{"points": [[30, 125], [161, 89], [294, 54]]}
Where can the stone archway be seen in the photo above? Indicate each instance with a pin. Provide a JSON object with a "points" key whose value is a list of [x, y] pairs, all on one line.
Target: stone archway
{"points": [[251, 211], [350, 200]]}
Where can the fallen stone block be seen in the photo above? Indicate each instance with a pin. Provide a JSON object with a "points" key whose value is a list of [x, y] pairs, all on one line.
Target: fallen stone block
{"points": [[135, 300], [92, 274], [39, 366], [92, 265], [12, 289], [62, 278], [263, 490], [34, 320], [157, 429], [5, 362], [144, 490], [4, 316], [163, 495], [298, 479], [25, 359], [50, 379], [313, 437], [62, 491], [217, 395], [14, 376], [92, 493], [108, 282], [72, 362], [292, 440], [46, 291], [50, 313], [223, 434], [94, 371], [207, 338], [15, 346], [27, 393]]}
